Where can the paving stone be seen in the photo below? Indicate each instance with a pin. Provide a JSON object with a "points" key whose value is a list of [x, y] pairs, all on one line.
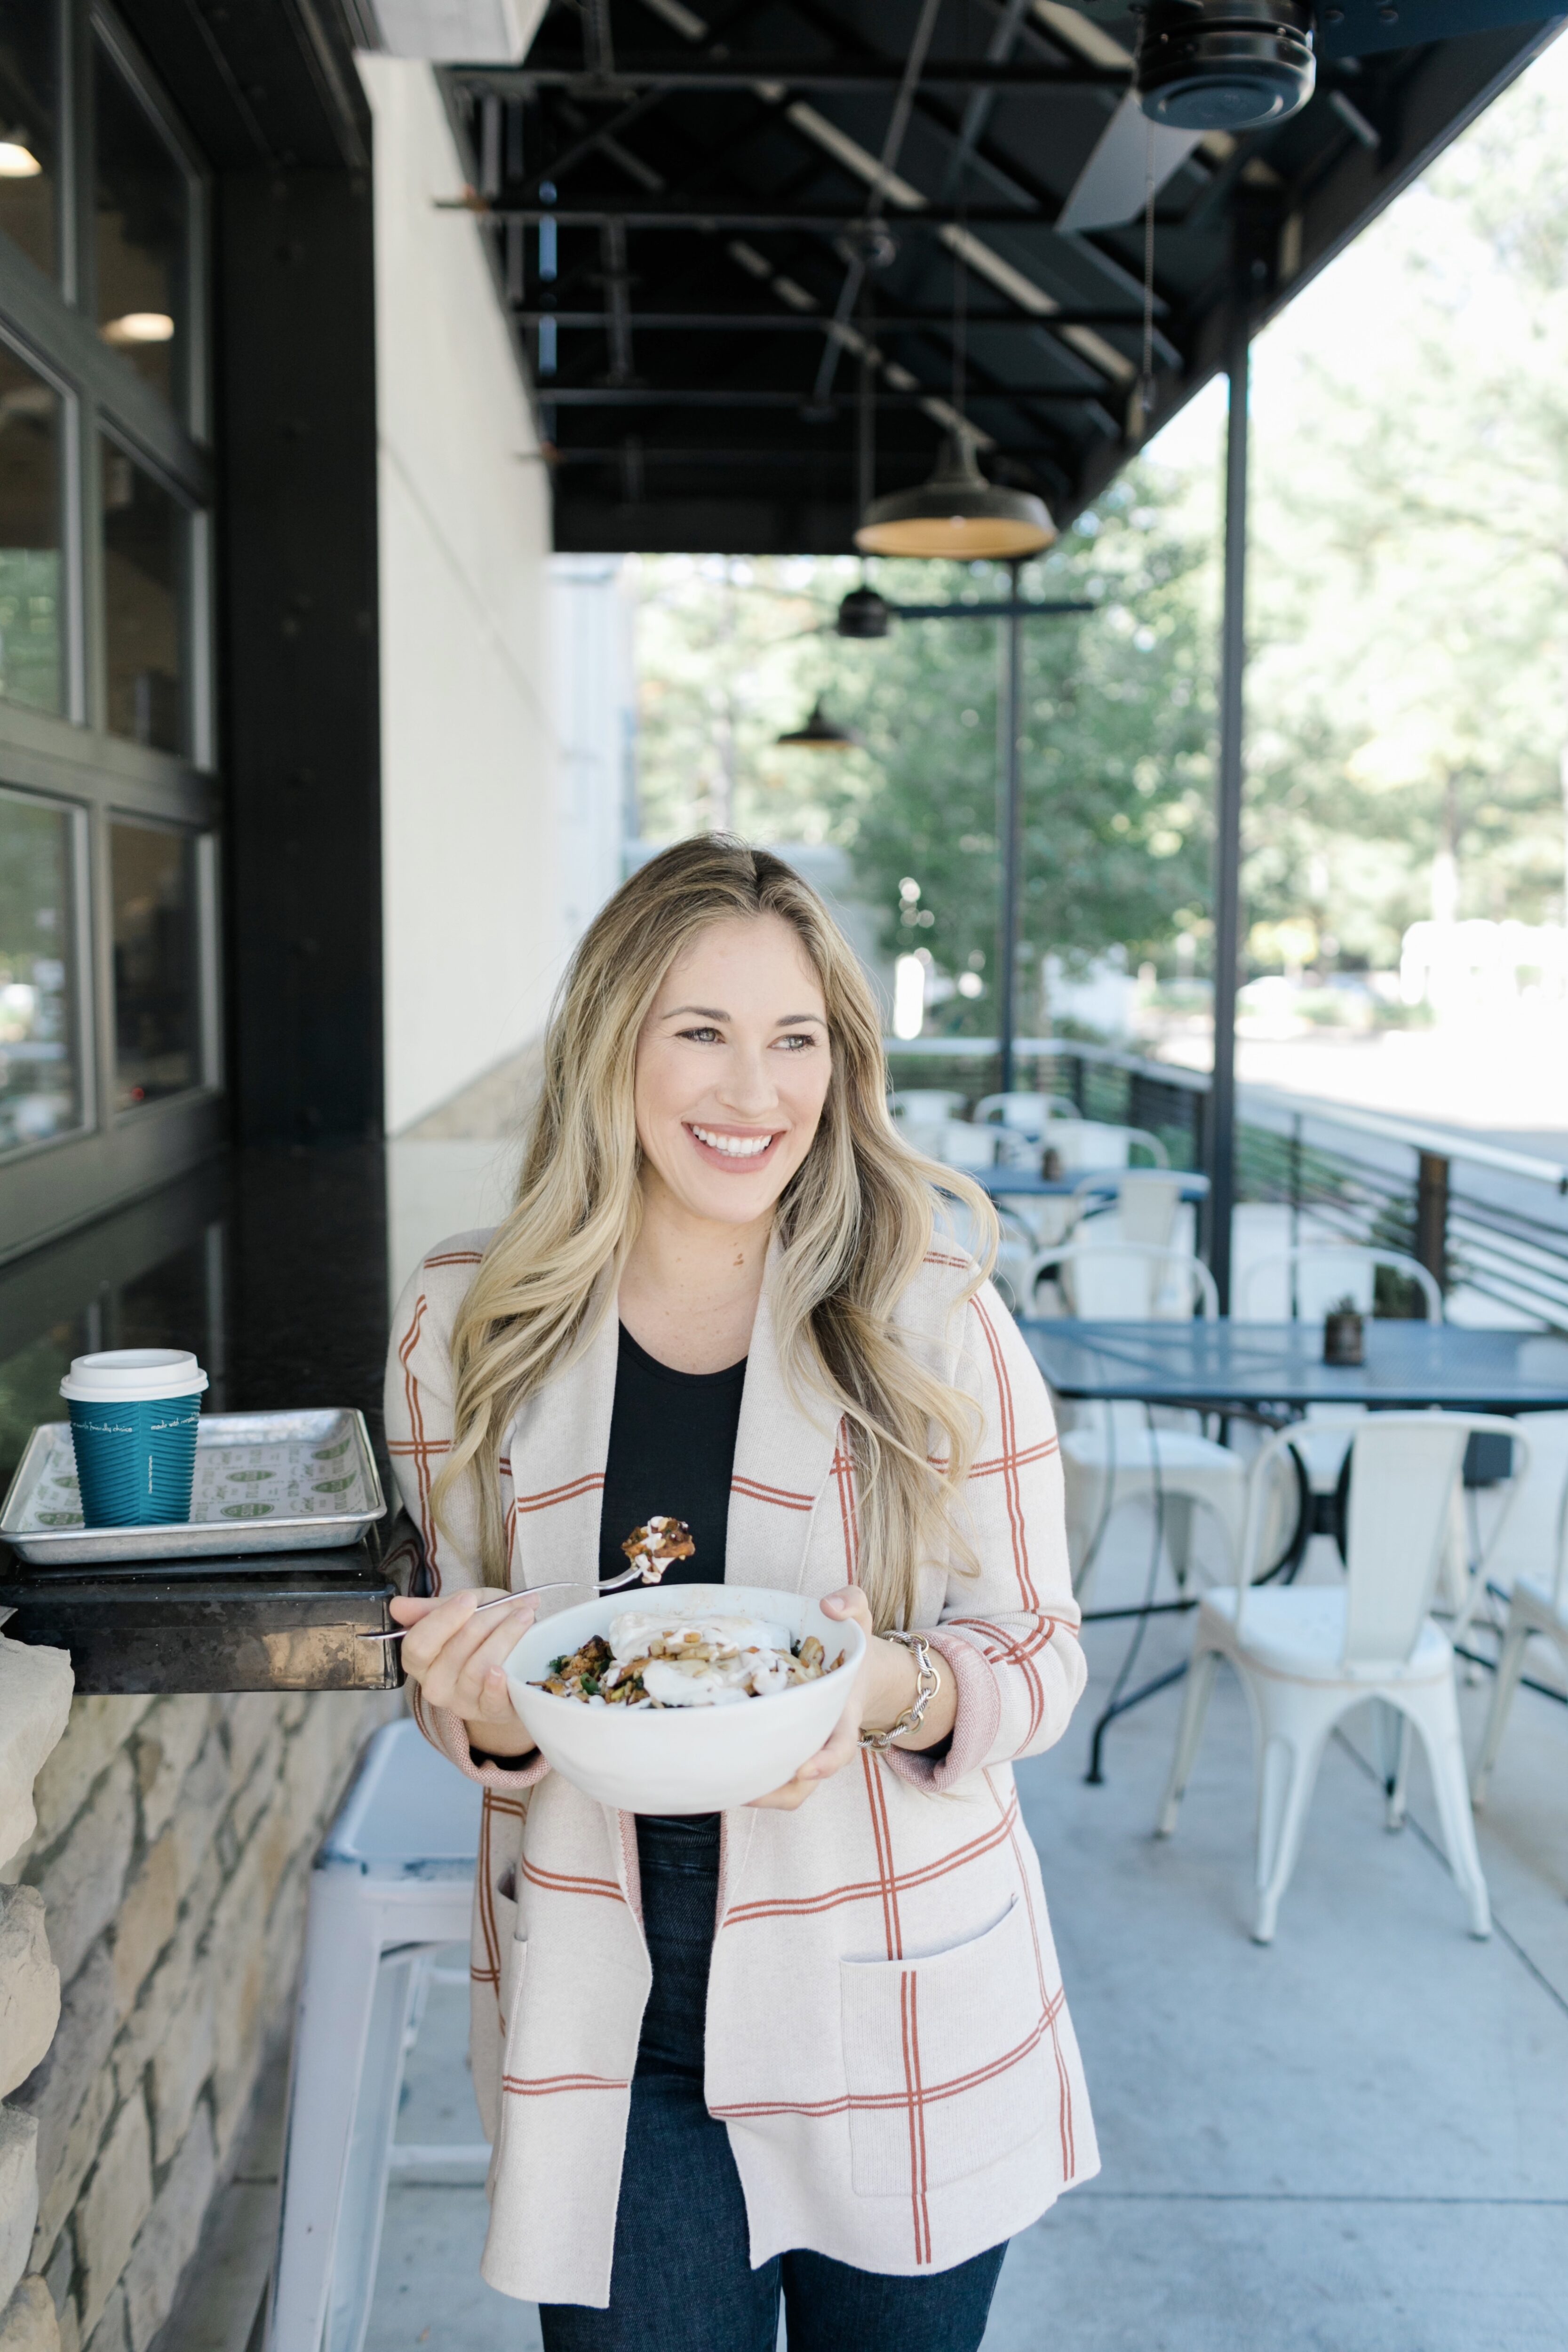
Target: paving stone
{"points": [[59, 2269], [19, 2194], [29, 1985], [35, 1701], [181, 2064], [59, 2189], [55, 2089], [145, 2032], [115, 2203], [167, 2238], [95, 1733], [81, 1880], [203, 1803], [251, 1717], [110, 2335], [145, 1920], [168, 1741], [28, 2323]]}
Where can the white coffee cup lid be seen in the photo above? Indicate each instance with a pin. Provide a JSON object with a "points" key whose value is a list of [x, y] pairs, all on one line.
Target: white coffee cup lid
{"points": [[132, 1376]]}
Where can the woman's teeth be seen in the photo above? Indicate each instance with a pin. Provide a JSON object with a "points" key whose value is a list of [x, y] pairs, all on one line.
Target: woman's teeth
{"points": [[735, 1147]]}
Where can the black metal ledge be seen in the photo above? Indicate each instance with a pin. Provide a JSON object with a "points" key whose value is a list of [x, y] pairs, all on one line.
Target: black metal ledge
{"points": [[290, 1623], [272, 1267]]}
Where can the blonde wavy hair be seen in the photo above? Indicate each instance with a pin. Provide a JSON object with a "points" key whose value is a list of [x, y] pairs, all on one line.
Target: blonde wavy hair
{"points": [[855, 1222]]}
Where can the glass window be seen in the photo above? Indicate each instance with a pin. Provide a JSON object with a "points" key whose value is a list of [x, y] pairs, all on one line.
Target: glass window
{"points": [[144, 227], [40, 1075], [30, 610], [144, 537], [29, 91], [153, 882]]}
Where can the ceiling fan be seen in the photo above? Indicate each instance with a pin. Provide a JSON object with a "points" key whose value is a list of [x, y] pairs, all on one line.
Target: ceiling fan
{"points": [[1206, 66]]}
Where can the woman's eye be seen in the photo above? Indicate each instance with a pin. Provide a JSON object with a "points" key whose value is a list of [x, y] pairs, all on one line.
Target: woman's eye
{"points": [[796, 1042], [700, 1036]]}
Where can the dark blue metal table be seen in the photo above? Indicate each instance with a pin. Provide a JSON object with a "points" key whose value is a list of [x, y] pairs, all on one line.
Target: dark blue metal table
{"points": [[1028, 1186], [1274, 1372], [1276, 1368]]}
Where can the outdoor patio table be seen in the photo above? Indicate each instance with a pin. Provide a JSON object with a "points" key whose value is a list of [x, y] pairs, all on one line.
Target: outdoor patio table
{"points": [[1277, 1371], [1031, 1186], [1224, 1366]]}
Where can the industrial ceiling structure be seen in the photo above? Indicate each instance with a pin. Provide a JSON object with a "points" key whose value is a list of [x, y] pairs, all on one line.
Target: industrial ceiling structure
{"points": [[763, 253]]}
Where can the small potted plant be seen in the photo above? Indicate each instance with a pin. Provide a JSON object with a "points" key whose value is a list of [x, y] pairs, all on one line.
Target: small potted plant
{"points": [[1345, 1333]]}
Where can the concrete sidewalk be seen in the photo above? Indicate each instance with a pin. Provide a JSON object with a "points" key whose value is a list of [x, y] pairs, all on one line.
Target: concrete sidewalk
{"points": [[1353, 2141]]}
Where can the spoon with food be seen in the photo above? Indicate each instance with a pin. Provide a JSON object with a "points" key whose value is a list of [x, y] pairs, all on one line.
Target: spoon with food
{"points": [[650, 1548]]}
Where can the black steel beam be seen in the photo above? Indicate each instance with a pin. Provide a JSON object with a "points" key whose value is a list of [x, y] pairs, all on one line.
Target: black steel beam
{"points": [[787, 73], [301, 755], [816, 323], [1228, 816], [726, 396], [570, 454], [645, 211]]}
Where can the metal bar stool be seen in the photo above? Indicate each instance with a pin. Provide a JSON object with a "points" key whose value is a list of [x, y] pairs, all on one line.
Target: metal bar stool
{"points": [[394, 1879]]}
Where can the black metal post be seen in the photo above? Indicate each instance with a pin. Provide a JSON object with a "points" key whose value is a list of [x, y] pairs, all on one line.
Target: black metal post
{"points": [[1432, 1216], [1227, 818], [1011, 831]]}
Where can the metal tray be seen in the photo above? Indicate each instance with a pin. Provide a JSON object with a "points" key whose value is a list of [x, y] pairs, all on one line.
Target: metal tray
{"points": [[265, 1482]]}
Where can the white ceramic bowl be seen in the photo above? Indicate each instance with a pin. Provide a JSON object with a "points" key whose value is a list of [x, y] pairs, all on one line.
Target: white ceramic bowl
{"points": [[683, 1759]]}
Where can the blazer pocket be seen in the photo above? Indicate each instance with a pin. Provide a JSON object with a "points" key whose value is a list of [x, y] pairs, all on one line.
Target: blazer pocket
{"points": [[944, 2059]]}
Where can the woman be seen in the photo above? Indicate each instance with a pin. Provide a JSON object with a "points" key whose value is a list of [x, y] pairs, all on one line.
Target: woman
{"points": [[820, 2045]]}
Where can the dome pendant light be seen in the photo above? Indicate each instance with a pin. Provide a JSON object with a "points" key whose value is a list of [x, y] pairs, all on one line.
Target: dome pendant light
{"points": [[819, 733], [863, 614], [956, 513]]}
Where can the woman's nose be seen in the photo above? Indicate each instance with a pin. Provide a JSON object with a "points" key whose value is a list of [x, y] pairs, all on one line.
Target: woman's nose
{"points": [[748, 1085]]}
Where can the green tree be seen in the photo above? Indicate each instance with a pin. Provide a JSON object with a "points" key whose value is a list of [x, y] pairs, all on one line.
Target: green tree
{"points": [[1115, 752], [1409, 620]]}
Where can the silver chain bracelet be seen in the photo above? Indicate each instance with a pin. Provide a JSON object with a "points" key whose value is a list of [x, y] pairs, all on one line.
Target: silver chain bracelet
{"points": [[927, 1684]]}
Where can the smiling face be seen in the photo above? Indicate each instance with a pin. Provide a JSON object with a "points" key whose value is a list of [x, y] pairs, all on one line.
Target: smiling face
{"points": [[732, 1069]]}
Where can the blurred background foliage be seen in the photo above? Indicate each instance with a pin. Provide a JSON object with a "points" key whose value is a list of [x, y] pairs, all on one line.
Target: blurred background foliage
{"points": [[1408, 626]]}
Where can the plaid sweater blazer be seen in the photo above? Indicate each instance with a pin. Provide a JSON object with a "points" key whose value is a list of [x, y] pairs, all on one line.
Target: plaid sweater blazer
{"points": [[888, 2041]]}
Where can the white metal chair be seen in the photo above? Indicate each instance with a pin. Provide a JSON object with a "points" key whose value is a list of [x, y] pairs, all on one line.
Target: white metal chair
{"points": [[925, 1106], [394, 1879], [1301, 1285], [1120, 1458], [1532, 1608], [963, 1145], [1148, 1201], [1094, 1143], [1307, 1281], [1016, 1254], [1307, 1654], [1026, 1114]]}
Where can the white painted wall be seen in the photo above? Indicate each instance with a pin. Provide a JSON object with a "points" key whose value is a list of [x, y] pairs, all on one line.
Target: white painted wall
{"points": [[474, 926]]}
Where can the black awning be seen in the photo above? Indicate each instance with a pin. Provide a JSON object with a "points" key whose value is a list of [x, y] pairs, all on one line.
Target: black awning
{"points": [[679, 192]]}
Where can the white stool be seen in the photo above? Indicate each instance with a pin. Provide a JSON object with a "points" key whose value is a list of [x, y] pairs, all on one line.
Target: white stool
{"points": [[395, 1877]]}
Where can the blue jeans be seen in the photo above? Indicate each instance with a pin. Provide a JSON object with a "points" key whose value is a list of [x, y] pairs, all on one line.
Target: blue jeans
{"points": [[683, 2280]]}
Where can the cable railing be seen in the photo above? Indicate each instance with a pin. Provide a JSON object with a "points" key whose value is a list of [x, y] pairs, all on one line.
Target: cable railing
{"points": [[1485, 1221]]}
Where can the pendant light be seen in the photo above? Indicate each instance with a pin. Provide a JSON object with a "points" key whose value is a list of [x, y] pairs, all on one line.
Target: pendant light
{"points": [[863, 614], [819, 733], [958, 513]]}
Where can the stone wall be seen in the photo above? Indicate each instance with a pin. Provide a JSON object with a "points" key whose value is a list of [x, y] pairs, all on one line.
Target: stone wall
{"points": [[170, 1852]]}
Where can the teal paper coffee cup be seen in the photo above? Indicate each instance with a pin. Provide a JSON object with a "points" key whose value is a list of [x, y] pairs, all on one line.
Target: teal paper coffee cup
{"points": [[134, 1413]]}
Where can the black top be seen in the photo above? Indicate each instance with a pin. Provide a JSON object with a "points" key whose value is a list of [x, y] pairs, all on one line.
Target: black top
{"points": [[672, 1451]]}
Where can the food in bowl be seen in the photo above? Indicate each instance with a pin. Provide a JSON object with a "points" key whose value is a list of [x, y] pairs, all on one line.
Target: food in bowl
{"points": [[652, 1661], [658, 1545], [683, 1759]]}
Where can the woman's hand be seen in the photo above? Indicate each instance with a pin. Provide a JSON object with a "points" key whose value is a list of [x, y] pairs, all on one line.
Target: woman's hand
{"points": [[883, 1688], [458, 1660]]}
